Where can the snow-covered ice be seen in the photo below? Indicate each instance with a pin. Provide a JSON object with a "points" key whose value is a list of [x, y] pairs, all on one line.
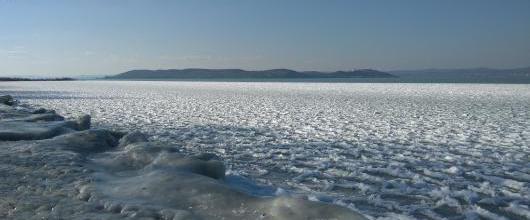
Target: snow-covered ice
{"points": [[83, 173], [424, 151]]}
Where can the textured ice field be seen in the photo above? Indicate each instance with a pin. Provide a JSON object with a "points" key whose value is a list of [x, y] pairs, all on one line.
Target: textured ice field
{"points": [[424, 151]]}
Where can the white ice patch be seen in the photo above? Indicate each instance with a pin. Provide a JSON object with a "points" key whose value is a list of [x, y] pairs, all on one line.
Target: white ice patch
{"points": [[101, 174], [387, 149]]}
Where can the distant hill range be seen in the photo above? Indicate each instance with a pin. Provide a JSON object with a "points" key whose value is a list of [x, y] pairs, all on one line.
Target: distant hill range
{"points": [[245, 74], [473, 75]]}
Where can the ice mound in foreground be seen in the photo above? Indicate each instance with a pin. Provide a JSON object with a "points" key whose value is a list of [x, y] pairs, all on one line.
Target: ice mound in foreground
{"points": [[72, 173], [145, 174]]}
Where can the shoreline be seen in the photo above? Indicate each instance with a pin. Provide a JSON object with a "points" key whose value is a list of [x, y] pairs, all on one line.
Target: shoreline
{"points": [[57, 168], [333, 80]]}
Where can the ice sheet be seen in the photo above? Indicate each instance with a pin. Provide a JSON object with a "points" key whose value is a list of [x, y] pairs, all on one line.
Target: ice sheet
{"points": [[410, 150]]}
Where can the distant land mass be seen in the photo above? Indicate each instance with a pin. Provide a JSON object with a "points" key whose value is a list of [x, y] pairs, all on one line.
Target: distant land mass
{"points": [[472, 75], [246, 74]]}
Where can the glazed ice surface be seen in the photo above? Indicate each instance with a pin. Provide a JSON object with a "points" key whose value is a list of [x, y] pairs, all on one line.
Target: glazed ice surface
{"points": [[51, 168], [386, 150]]}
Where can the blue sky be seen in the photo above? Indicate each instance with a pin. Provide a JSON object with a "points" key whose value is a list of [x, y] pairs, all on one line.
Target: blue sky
{"points": [[73, 37]]}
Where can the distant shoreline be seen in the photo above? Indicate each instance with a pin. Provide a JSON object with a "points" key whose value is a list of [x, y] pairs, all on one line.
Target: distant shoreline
{"points": [[234, 74], [476, 75], [299, 80], [332, 80]]}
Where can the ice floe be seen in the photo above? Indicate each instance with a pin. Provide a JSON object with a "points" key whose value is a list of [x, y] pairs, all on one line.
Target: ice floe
{"points": [[56, 169], [418, 151]]}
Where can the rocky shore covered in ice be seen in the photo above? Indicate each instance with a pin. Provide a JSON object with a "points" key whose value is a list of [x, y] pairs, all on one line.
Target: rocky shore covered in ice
{"points": [[53, 168]]}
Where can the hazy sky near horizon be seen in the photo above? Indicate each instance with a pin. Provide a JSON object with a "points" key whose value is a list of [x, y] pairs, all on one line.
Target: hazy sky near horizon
{"points": [[71, 37]]}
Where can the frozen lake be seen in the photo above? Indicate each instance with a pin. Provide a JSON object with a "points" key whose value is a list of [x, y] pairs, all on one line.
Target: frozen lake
{"points": [[425, 151]]}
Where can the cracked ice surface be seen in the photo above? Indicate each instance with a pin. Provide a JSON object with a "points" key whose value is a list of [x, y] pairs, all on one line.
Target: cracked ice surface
{"points": [[426, 151]]}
